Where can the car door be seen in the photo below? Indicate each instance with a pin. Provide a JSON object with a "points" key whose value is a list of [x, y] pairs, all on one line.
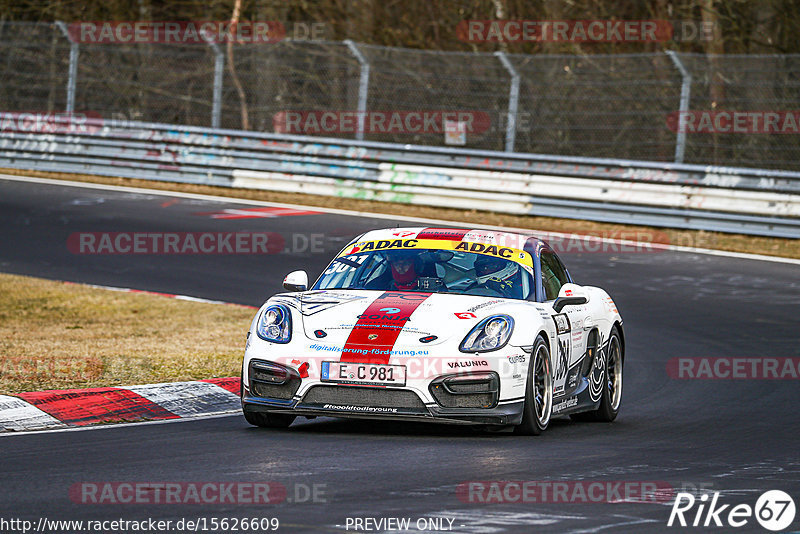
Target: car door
{"points": [[570, 340]]}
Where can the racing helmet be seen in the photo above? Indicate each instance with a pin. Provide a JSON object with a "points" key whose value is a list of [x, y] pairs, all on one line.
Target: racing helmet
{"points": [[404, 272], [490, 268]]}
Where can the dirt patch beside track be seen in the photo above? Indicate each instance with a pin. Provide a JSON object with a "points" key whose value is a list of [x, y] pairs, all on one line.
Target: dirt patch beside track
{"points": [[55, 335]]}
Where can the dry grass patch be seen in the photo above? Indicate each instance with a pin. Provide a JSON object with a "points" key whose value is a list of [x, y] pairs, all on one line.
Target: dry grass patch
{"points": [[788, 248], [55, 336]]}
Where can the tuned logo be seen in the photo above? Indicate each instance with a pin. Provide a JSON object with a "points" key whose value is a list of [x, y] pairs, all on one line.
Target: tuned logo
{"points": [[774, 510]]}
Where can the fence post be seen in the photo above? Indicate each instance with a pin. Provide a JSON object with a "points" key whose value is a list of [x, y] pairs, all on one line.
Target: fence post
{"points": [[219, 65], [513, 101], [73, 66], [686, 87], [363, 87]]}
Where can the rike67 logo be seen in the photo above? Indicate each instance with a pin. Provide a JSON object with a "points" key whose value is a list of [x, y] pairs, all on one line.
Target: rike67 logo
{"points": [[774, 510]]}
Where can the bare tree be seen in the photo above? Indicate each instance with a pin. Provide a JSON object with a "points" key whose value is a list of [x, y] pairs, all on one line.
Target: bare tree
{"points": [[237, 9]]}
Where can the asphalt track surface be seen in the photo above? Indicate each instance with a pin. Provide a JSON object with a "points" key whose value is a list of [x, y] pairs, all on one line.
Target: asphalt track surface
{"points": [[738, 437]]}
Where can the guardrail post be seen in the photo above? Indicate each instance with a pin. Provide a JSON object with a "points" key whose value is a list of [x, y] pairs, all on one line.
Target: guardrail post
{"points": [[73, 66], [686, 87], [363, 87], [513, 101], [219, 65]]}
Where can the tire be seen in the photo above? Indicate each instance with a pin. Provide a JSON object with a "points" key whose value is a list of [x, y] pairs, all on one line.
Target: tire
{"points": [[538, 406], [269, 420], [612, 392]]}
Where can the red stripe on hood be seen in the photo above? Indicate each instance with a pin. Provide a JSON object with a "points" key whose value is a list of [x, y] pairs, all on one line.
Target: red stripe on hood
{"points": [[384, 324]]}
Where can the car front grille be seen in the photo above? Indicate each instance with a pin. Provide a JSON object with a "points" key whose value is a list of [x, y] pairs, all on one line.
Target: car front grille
{"points": [[467, 391], [359, 396], [477, 400], [271, 391], [272, 381]]}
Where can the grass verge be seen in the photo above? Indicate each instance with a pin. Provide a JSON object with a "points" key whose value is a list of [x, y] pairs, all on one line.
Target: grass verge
{"points": [[788, 248], [57, 336]]}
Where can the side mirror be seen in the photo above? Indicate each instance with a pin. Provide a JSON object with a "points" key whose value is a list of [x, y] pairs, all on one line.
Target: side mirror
{"points": [[570, 295], [296, 281]]}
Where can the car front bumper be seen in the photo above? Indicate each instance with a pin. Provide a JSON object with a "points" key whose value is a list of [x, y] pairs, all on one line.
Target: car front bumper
{"points": [[506, 412]]}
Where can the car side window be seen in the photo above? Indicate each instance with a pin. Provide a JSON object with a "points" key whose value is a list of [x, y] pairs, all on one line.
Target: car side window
{"points": [[553, 275]]}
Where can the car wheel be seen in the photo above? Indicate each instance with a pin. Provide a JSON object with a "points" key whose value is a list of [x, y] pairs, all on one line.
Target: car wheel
{"points": [[612, 392], [538, 392], [269, 420]]}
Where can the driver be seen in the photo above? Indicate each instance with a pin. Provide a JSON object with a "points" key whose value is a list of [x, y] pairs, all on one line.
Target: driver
{"points": [[404, 273], [499, 275]]}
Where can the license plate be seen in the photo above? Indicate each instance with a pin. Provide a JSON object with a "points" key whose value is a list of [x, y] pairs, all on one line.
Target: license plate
{"points": [[363, 373]]}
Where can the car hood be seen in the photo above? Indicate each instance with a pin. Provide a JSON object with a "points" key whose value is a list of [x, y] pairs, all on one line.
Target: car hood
{"points": [[331, 316]]}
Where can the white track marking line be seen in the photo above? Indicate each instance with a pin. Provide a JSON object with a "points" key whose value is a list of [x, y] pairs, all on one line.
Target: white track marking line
{"points": [[157, 294], [351, 213], [237, 413]]}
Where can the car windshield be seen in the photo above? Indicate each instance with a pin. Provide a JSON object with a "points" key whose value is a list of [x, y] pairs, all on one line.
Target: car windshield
{"points": [[429, 270]]}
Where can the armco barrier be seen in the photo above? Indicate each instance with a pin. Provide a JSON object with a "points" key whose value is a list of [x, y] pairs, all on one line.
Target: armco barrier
{"points": [[749, 201]]}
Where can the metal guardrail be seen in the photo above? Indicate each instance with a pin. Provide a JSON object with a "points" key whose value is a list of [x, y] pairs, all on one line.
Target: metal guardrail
{"points": [[652, 106], [725, 199]]}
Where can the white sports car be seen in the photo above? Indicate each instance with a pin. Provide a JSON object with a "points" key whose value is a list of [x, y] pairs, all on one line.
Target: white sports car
{"points": [[435, 324]]}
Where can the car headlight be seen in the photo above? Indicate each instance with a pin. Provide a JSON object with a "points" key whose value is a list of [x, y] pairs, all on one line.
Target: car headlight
{"points": [[275, 324], [490, 334]]}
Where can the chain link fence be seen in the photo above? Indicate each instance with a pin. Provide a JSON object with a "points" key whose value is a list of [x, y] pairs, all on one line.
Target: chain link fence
{"points": [[619, 106]]}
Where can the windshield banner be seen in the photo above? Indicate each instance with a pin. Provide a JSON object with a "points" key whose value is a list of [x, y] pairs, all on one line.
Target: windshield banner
{"points": [[513, 254]]}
